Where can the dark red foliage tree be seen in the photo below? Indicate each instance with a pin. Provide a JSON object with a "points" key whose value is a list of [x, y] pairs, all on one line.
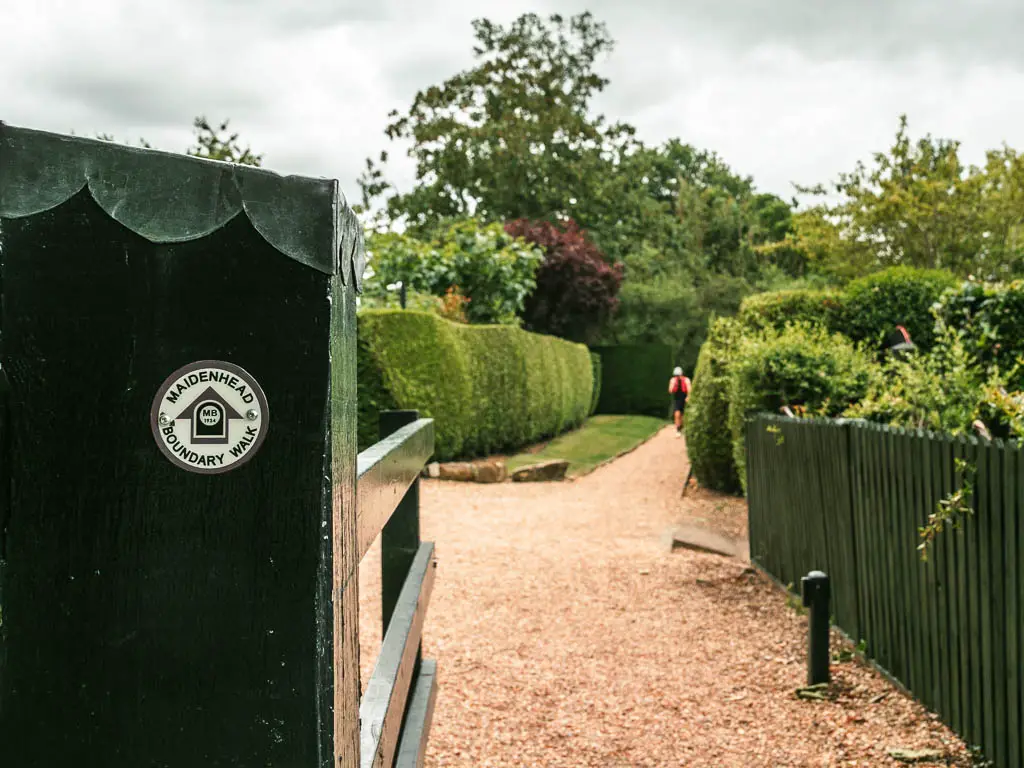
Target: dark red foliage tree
{"points": [[577, 290]]}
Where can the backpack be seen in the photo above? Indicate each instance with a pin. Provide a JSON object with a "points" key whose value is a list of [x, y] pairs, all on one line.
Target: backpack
{"points": [[680, 384]]}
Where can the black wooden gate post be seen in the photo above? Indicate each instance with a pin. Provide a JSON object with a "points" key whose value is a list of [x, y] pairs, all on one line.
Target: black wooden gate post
{"points": [[177, 463]]}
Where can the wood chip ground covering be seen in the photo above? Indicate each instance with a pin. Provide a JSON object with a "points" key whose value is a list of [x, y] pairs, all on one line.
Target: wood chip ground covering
{"points": [[567, 634]]}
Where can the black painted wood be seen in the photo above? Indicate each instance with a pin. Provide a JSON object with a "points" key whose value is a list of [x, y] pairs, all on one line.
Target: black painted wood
{"points": [[412, 747], [154, 617], [948, 630], [400, 537], [385, 471], [383, 706]]}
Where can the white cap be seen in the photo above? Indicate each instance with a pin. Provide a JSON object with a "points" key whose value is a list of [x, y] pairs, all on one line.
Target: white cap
{"points": [[678, 371]]}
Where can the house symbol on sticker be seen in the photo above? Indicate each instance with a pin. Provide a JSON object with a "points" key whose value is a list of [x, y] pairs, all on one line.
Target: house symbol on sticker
{"points": [[208, 417]]}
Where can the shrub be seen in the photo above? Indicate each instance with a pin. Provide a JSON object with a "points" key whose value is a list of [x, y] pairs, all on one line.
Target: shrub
{"points": [[493, 270], [802, 366], [576, 290], [939, 391], [945, 390], [452, 306], [634, 379], [1002, 412], [420, 302], [776, 309], [874, 305], [421, 365], [989, 320], [488, 388], [374, 396], [708, 440]]}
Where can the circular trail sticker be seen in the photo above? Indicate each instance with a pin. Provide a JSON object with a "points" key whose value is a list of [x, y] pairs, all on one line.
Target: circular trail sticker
{"points": [[209, 417]]}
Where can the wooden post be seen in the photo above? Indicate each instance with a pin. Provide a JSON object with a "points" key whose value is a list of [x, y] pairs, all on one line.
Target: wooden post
{"points": [[155, 614], [816, 597], [397, 704], [400, 538]]}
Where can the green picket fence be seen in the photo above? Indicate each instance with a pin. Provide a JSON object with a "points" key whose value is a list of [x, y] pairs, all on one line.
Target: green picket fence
{"points": [[849, 498]]}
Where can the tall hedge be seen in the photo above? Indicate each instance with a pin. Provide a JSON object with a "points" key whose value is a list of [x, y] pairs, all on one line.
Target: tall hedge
{"points": [[634, 379], [708, 440], [804, 367], [865, 311], [776, 309], [488, 388]]}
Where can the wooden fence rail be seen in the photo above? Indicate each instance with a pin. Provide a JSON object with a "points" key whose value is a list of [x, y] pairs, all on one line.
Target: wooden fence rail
{"points": [[397, 707], [850, 498]]}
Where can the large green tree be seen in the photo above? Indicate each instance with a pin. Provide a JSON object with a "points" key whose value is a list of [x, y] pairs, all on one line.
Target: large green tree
{"points": [[212, 141], [917, 205], [216, 142], [512, 136], [491, 268]]}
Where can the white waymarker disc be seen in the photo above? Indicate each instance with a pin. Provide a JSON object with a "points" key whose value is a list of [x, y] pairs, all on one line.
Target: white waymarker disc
{"points": [[209, 417]]}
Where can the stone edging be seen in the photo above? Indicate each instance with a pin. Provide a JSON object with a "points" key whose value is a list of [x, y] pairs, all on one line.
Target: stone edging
{"points": [[492, 471], [484, 471]]}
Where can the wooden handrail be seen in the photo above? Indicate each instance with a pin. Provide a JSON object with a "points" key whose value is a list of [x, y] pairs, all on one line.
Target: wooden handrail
{"points": [[413, 746], [384, 472], [390, 685]]}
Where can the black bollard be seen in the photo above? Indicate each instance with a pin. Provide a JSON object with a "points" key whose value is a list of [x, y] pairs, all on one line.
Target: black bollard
{"points": [[816, 600]]}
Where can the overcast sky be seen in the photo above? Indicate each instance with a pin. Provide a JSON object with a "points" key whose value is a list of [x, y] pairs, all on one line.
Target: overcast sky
{"points": [[785, 91]]}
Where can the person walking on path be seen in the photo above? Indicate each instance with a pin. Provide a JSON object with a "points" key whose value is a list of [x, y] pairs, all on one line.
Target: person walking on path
{"points": [[679, 388]]}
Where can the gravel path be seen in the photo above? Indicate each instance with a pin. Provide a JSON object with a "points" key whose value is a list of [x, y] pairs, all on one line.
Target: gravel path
{"points": [[566, 634]]}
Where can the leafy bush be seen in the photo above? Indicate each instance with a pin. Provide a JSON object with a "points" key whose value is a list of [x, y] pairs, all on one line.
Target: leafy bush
{"points": [[453, 305], [374, 396], [492, 269], [989, 320], [939, 391], [421, 365], [874, 305], [450, 306], [634, 379], [488, 388], [946, 390], [708, 440], [576, 289], [1001, 411], [803, 367], [776, 309]]}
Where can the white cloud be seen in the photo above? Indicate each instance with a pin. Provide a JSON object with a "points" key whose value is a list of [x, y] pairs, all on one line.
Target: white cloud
{"points": [[782, 94]]}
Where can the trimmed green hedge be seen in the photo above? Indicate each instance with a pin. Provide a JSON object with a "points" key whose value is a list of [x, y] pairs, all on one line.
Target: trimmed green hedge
{"points": [[804, 367], [775, 309], [634, 379], [864, 312], [488, 387], [708, 440]]}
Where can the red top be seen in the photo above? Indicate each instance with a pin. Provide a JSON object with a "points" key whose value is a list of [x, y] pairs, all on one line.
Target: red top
{"points": [[679, 384]]}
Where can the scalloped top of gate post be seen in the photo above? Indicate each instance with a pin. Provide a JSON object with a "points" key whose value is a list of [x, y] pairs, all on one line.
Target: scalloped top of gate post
{"points": [[166, 197]]}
